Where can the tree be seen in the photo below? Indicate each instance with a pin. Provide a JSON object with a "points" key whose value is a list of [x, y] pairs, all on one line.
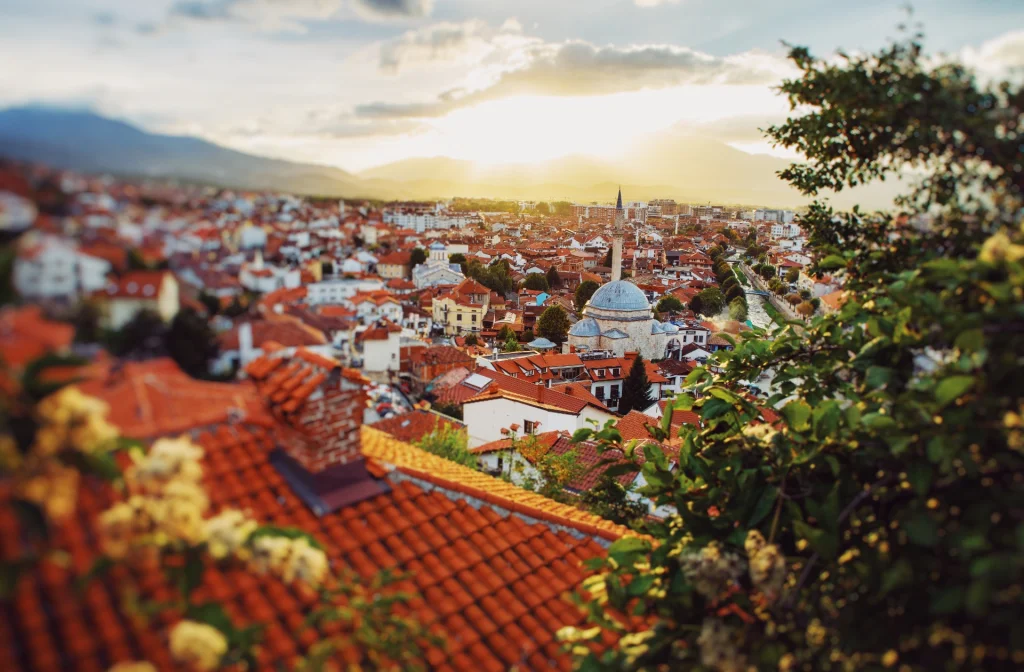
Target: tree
{"points": [[536, 282], [735, 292], [210, 302], [669, 304], [528, 335], [607, 261], [86, 320], [449, 409], [876, 525], [584, 292], [636, 389], [711, 303], [449, 443], [142, 337], [766, 271], [738, 309], [554, 280], [505, 333], [793, 299], [775, 286], [191, 343], [471, 339], [553, 324], [792, 275], [511, 343], [805, 309], [417, 257], [610, 500], [458, 258]]}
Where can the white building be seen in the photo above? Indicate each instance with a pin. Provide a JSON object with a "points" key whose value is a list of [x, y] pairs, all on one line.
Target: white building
{"points": [[379, 345], [437, 270], [337, 291], [53, 269], [264, 278]]}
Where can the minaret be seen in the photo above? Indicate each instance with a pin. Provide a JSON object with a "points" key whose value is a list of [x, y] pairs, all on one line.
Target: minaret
{"points": [[620, 220]]}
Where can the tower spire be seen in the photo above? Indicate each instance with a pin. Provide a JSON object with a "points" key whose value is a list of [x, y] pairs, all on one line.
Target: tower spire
{"points": [[620, 220], [618, 204]]}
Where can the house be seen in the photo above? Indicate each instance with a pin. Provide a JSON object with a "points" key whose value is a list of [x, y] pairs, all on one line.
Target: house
{"points": [[379, 346], [428, 363], [414, 426], [832, 302], [248, 340], [505, 402], [462, 309], [395, 265], [53, 269], [136, 291]]}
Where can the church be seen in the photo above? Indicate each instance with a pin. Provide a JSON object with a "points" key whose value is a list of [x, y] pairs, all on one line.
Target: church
{"points": [[619, 318]]}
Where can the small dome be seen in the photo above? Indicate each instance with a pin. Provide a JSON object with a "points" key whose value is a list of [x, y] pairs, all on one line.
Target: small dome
{"points": [[437, 246], [619, 295], [669, 328], [615, 334], [585, 328], [541, 344]]}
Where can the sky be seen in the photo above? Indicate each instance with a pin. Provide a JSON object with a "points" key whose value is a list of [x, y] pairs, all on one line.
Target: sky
{"points": [[360, 83]]}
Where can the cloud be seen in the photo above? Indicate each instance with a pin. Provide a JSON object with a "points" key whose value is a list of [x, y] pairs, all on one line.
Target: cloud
{"points": [[271, 15], [571, 69], [393, 9], [999, 58], [444, 41], [654, 3]]}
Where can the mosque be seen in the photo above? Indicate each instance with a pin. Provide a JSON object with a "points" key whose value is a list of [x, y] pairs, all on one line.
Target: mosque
{"points": [[619, 318]]}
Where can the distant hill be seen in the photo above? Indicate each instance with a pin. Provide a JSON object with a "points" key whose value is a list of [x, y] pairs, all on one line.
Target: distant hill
{"points": [[86, 141], [670, 164]]}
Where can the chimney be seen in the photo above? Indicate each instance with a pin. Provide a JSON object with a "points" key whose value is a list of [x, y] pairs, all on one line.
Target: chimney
{"points": [[321, 406]]}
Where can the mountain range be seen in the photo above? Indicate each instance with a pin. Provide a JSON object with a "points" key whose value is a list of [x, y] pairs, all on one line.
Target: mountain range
{"points": [[671, 164]]}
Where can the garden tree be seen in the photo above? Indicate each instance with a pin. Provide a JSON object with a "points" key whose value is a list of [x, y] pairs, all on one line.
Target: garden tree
{"points": [[636, 389], [449, 443], [528, 335], [711, 303], [471, 339], [610, 500], [696, 305], [584, 292], [669, 304], [776, 286], [554, 280], [766, 271], [191, 343], [499, 278], [511, 343], [506, 333], [210, 302], [142, 337], [805, 308], [793, 299], [556, 470], [805, 293], [878, 523], [792, 275], [449, 409], [815, 302], [735, 292], [417, 257], [561, 208], [738, 309], [536, 282], [458, 258], [553, 324]]}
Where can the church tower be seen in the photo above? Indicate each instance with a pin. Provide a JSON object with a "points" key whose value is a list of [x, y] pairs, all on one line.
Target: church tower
{"points": [[620, 221]]}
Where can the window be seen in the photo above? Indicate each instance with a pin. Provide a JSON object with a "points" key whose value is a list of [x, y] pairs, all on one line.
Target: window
{"points": [[599, 393], [529, 427], [458, 317], [615, 391], [616, 372]]}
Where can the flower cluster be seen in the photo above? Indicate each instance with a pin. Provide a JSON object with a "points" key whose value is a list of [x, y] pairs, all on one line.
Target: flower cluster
{"points": [[198, 645], [711, 570], [767, 565], [720, 647], [68, 422], [291, 558]]}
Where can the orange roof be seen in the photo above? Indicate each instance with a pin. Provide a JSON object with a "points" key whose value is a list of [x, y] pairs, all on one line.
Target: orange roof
{"points": [[288, 332], [154, 398], [413, 426], [26, 335]]}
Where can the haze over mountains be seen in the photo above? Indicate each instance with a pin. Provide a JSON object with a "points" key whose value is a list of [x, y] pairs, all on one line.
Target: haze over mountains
{"points": [[675, 165]]}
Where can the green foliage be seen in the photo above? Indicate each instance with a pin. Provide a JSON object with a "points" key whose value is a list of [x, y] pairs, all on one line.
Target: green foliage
{"points": [[637, 393], [448, 443], [561, 208], [483, 205], [792, 275], [471, 339], [210, 302], [709, 302], [877, 524], [553, 278], [669, 304], [142, 337], [191, 343], [610, 500], [536, 282], [458, 258], [553, 324], [738, 309], [583, 293], [506, 333], [496, 277], [451, 410], [511, 343], [417, 257], [766, 271]]}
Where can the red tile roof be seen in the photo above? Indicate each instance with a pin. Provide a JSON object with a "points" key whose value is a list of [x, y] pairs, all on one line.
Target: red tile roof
{"points": [[413, 426], [26, 335], [286, 331], [137, 285]]}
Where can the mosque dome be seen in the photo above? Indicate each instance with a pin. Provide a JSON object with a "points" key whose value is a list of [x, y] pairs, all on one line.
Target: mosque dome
{"points": [[585, 328], [619, 295]]}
